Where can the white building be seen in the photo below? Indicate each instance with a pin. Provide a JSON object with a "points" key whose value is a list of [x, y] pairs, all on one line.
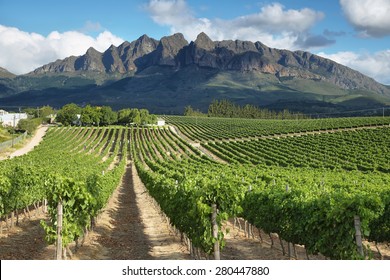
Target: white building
{"points": [[160, 122], [11, 119]]}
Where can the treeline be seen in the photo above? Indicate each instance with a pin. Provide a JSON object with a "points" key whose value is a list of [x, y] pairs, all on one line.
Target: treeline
{"points": [[227, 109], [71, 114]]}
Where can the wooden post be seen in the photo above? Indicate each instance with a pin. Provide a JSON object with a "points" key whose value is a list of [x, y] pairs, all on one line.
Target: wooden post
{"points": [[358, 235], [307, 255], [44, 206], [261, 238], [214, 223], [59, 231], [281, 245], [290, 250], [17, 217], [12, 219], [272, 240]]}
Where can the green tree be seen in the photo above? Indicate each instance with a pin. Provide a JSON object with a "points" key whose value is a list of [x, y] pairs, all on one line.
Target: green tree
{"points": [[124, 116], [144, 116], [44, 112], [108, 116], [189, 111], [152, 119], [135, 116], [29, 125], [90, 115], [68, 114]]}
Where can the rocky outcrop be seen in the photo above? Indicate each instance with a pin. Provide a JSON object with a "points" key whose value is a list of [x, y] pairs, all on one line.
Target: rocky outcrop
{"points": [[168, 49], [134, 55]]}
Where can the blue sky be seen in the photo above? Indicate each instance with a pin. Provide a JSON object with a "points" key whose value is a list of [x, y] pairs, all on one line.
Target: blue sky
{"points": [[355, 33]]}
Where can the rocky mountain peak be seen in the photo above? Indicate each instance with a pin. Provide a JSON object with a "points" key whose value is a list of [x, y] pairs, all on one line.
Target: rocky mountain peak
{"points": [[144, 45], [203, 41], [168, 49], [172, 44], [93, 52], [112, 62]]}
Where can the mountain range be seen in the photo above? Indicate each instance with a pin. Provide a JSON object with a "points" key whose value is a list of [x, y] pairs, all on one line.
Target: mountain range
{"points": [[167, 74]]}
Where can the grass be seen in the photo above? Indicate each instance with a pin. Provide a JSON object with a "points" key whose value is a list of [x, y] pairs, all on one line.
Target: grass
{"points": [[4, 135]]}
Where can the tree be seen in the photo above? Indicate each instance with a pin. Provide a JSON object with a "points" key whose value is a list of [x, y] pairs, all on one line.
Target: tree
{"points": [[135, 116], [68, 114], [144, 116], [45, 112], [124, 116], [188, 111], [29, 125], [108, 116], [90, 115], [152, 119]]}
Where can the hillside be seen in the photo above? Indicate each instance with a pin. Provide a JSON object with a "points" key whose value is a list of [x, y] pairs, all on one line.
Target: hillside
{"points": [[166, 75]]}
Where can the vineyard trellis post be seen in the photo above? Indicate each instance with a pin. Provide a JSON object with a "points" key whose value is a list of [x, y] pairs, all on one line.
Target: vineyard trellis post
{"points": [[358, 235], [214, 223], [59, 231]]}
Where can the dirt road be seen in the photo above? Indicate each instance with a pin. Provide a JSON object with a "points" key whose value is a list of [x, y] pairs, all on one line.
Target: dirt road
{"points": [[34, 141]]}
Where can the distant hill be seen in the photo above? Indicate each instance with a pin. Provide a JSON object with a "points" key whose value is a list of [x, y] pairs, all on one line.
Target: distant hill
{"points": [[166, 75]]}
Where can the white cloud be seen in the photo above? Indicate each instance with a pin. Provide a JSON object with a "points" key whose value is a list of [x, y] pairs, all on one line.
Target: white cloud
{"points": [[91, 26], [22, 52], [375, 65], [370, 17], [273, 24]]}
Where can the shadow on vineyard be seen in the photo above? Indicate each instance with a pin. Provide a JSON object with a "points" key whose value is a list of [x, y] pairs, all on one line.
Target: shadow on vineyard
{"points": [[24, 242]]}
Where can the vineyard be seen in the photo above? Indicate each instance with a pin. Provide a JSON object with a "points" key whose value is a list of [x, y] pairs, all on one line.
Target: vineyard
{"points": [[203, 129], [322, 184]]}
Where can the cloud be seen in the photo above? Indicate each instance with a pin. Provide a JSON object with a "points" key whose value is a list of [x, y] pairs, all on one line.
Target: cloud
{"points": [[22, 52], [91, 26], [369, 17], [375, 65], [330, 33], [316, 41], [273, 24]]}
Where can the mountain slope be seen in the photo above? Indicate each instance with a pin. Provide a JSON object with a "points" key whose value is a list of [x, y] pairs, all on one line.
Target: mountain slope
{"points": [[168, 74]]}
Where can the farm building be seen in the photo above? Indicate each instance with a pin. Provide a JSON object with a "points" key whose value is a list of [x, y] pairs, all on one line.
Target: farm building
{"points": [[160, 122], [11, 119]]}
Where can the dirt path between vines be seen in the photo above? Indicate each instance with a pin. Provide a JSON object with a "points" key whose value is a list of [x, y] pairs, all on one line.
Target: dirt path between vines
{"points": [[131, 228]]}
